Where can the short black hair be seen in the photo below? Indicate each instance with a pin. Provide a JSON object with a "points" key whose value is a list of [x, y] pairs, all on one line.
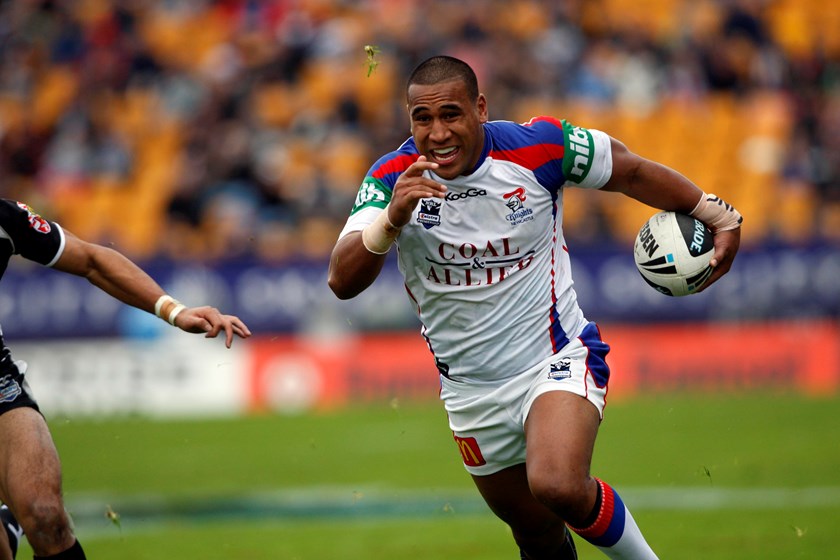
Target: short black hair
{"points": [[439, 69]]}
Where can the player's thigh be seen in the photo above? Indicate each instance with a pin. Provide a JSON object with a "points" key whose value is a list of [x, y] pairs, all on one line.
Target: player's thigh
{"points": [[29, 463], [560, 433]]}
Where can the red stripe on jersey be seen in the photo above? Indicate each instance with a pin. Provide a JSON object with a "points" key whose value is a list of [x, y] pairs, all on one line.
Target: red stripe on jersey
{"points": [[411, 296], [396, 165], [552, 120], [530, 157]]}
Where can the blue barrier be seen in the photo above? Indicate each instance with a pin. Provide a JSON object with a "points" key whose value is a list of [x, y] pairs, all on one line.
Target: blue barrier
{"points": [[765, 284]]}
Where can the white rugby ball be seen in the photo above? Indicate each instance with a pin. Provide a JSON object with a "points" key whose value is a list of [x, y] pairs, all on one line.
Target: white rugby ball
{"points": [[672, 252]]}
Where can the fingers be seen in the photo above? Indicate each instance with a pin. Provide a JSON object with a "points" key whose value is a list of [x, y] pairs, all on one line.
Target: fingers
{"points": [[211, 322], [726, 247], [410, 188], [217, 328], [717, 273], [420, 166], [232, 326], [422, 187]]}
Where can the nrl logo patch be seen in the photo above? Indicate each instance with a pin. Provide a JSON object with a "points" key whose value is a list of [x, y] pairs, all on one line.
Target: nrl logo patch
{"points": [[560, 370], [429, 214]]}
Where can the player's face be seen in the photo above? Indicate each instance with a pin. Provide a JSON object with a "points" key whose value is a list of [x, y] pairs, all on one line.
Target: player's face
{"points": [[446, 125]]}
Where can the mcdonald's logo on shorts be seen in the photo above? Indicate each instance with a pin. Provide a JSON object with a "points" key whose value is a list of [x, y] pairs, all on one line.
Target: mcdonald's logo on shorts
{"points": [[469, 451]]}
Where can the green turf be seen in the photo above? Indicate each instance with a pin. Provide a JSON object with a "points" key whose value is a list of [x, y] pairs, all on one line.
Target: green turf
{"points": [[727, 536], [670, 442]]}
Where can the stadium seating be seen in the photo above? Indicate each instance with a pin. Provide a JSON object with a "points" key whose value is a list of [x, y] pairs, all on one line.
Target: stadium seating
{"points": [[731, 140]]}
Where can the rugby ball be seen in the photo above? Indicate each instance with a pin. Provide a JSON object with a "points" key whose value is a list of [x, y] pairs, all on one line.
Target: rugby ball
{"points": [[672, 252]]}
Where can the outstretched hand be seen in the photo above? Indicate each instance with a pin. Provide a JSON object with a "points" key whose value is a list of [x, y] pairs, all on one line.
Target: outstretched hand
{"points": [[726, 247], [211, 321]]}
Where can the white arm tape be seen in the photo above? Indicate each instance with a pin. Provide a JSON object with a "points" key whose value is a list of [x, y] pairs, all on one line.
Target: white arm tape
{"points": [[174, 313], [168, 308], [716, 213], [160, 303], [380, 235]]}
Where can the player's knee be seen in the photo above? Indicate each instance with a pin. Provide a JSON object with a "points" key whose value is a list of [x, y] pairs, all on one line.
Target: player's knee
{"points": [[566, 496], [45, 522]]}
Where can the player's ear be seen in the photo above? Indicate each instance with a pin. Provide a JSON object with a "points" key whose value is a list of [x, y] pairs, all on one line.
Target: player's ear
{"points": [[481, 105]]}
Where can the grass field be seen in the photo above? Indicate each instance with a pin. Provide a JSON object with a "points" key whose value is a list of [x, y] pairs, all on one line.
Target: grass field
{"points": [[712, 477]]}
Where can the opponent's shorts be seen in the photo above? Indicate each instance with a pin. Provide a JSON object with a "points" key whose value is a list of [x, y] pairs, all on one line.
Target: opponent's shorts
{"points": [[488, 421], [14, 391]]}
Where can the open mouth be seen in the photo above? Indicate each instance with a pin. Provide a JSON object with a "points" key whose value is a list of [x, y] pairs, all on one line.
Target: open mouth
{"points": [[445, 156]]}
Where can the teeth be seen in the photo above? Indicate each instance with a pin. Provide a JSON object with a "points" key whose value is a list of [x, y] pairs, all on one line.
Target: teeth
{"points": [[445, 151]]}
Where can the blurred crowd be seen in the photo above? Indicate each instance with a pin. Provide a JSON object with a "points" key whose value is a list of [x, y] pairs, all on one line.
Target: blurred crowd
{"points": [[225, 129]]}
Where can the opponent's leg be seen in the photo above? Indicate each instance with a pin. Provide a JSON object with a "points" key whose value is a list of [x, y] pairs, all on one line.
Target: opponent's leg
{"points": [[30, 484], [10, 535], [560, 436], [540, 534]]}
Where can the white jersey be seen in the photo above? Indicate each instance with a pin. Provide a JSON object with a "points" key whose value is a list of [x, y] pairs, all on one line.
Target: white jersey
{"points": [[487, 268]]}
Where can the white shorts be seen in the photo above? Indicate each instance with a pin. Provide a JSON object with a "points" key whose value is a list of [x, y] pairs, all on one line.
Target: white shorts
{"points": [[488, 421]]}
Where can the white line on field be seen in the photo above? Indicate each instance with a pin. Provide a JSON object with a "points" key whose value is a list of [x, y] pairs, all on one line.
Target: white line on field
{"points": [[146, 513], [717, 498], [328, 501]]}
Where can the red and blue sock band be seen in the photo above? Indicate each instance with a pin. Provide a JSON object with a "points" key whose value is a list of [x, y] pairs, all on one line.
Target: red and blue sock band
{"points": [[609, 524]]}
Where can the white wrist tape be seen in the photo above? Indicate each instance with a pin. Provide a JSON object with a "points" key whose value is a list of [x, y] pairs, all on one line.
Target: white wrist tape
{"points": [[380, 235], [174, 313], [717, 214], [167, 308], [163, 300]]}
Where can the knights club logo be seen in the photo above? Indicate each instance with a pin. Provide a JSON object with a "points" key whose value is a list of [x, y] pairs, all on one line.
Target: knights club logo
{"points": [[514, 199], [519, 213], [429, 214]]}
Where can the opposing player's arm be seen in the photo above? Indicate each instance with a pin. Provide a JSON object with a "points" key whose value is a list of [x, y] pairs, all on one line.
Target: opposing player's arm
{"points": [[358, 257], [121, 278], [664, 188]]}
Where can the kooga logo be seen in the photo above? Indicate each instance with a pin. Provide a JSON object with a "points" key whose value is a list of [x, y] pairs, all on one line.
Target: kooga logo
{"points": [[453, 196]]}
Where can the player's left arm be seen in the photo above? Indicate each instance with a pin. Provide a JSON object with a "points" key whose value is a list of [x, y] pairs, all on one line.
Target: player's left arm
{"points": [[664, 188], [119, 277]]}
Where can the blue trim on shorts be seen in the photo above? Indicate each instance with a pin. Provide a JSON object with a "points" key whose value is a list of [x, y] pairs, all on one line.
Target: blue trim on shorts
{"points": [[596, 361]]}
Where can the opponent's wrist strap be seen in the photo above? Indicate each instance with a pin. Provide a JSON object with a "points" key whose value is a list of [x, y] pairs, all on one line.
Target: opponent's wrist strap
{"points": [[380, 235], [716, 213], [168, 308]]}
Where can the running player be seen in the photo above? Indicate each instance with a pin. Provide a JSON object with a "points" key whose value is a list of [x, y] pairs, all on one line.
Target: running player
{"points": [[475, 208], [30, 472]]}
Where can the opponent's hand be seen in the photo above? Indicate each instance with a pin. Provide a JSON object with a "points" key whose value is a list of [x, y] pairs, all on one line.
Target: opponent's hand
{"points": [[210, 321], [410, 187], [726, 247]]}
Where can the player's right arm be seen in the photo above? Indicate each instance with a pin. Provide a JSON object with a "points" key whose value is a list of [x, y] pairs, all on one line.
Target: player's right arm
{"points": [[358, 256], [664, 188]]}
